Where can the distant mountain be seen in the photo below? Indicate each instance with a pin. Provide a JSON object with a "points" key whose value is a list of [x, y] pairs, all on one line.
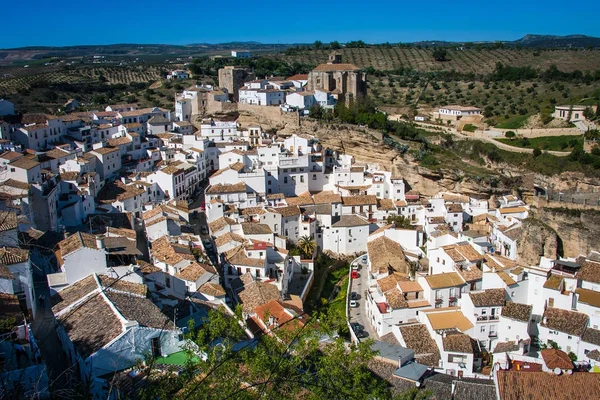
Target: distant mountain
{"points": [[553, 41]]}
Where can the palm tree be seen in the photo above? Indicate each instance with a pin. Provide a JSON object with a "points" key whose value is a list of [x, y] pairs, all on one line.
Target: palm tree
{"points": [[307, 246]]}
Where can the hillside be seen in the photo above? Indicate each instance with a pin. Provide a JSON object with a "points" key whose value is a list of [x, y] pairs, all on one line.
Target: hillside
{"points": [[477, 61]]}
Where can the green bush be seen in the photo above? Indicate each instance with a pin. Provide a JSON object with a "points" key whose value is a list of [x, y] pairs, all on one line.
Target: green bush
{"points": [[537, 152], [469, 128]]}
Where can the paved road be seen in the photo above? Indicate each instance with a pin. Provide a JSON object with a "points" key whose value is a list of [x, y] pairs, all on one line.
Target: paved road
{"points": [[360, 285]]}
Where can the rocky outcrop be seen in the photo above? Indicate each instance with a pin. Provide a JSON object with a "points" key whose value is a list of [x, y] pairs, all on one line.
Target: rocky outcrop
{"points": [[578, 229], [536, 240]]}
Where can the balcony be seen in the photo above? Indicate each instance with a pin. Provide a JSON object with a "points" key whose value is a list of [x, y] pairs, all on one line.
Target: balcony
{"points": [[493, 334], [439, 300], [488, 318]]}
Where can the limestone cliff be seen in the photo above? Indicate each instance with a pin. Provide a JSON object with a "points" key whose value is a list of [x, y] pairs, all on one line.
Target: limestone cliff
{"points": [[578, 229], [536, 240]]}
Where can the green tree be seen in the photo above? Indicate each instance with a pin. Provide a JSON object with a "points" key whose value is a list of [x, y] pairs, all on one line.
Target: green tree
{"points": [[399, 221], [335, 45], [316, 111], [290, 363], [440, 54], [537, 152], [588, 113], [307, 246], [318, 45], [510, 135]]}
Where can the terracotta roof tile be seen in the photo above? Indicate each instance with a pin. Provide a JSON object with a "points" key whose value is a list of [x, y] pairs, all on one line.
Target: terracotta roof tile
{"points": [[255, 294], [386, 254], [418, 339], [350, 221], [518, 385], [361, 200], [554, 358], [327, 197], [570, 322], [517, 311], [488, 298], [444, 280], [459, 343], [590, 271]]}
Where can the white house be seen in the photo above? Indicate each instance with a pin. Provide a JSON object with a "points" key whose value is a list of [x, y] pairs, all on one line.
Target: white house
{"points": [[81, 254], [483, 309], [261, 97], [178, 74], [300, 100], [99, 318], [455, 112], [513, 328], [347, 236], [16, 276], [393, 300], [240, 53], [570, 112], [564, 327], [444, 289]]}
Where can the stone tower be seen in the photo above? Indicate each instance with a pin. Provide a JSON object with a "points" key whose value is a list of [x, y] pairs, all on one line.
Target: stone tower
{"points": [[345, 82], [232, 79]]}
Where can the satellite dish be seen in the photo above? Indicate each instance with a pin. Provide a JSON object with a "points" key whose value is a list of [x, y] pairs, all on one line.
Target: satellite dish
{"points": [[569, 372], [557, 371], [418, 384]]}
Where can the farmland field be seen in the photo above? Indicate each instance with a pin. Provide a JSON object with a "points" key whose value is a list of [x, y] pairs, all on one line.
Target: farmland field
{"points": [[465, 61]]}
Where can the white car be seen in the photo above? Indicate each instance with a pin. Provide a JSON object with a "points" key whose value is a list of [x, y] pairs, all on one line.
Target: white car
{"points": [[353, 303], [355, 266]]}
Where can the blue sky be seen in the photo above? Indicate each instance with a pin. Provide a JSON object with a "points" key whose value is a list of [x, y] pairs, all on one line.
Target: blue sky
{"points": [[69, 22]]}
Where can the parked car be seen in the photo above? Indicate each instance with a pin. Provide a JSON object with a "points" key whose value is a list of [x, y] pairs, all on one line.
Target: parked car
{"points": [[204, 230], [354, 275], [355, 266], [361, 334], [353, 296], [207, 245], [365, 259], [353, 303], [356, 327]]}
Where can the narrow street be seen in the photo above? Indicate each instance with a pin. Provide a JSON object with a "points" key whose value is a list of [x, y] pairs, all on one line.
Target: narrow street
{"points": [[360, 285], [44, 331]]}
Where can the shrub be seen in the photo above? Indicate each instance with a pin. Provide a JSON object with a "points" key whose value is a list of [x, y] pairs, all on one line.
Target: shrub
{"points": [[537, 152], [469, 128], [510, 135]]}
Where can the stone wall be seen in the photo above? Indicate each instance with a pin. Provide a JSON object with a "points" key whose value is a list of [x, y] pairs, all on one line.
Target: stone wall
{"points": [[532, 133], [271, 116]]}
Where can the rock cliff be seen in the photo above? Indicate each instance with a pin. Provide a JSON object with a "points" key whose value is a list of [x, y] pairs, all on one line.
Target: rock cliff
{"points": [[536, 240], [578, 229]]}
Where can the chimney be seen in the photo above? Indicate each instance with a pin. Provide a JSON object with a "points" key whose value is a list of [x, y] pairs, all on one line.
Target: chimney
{"points": [[100, 242]]}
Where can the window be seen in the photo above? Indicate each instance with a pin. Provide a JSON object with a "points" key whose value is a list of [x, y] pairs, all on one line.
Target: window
{"points": [[285, 179], [483, 329], [168, 281], [314, 177], [302, 178]]}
